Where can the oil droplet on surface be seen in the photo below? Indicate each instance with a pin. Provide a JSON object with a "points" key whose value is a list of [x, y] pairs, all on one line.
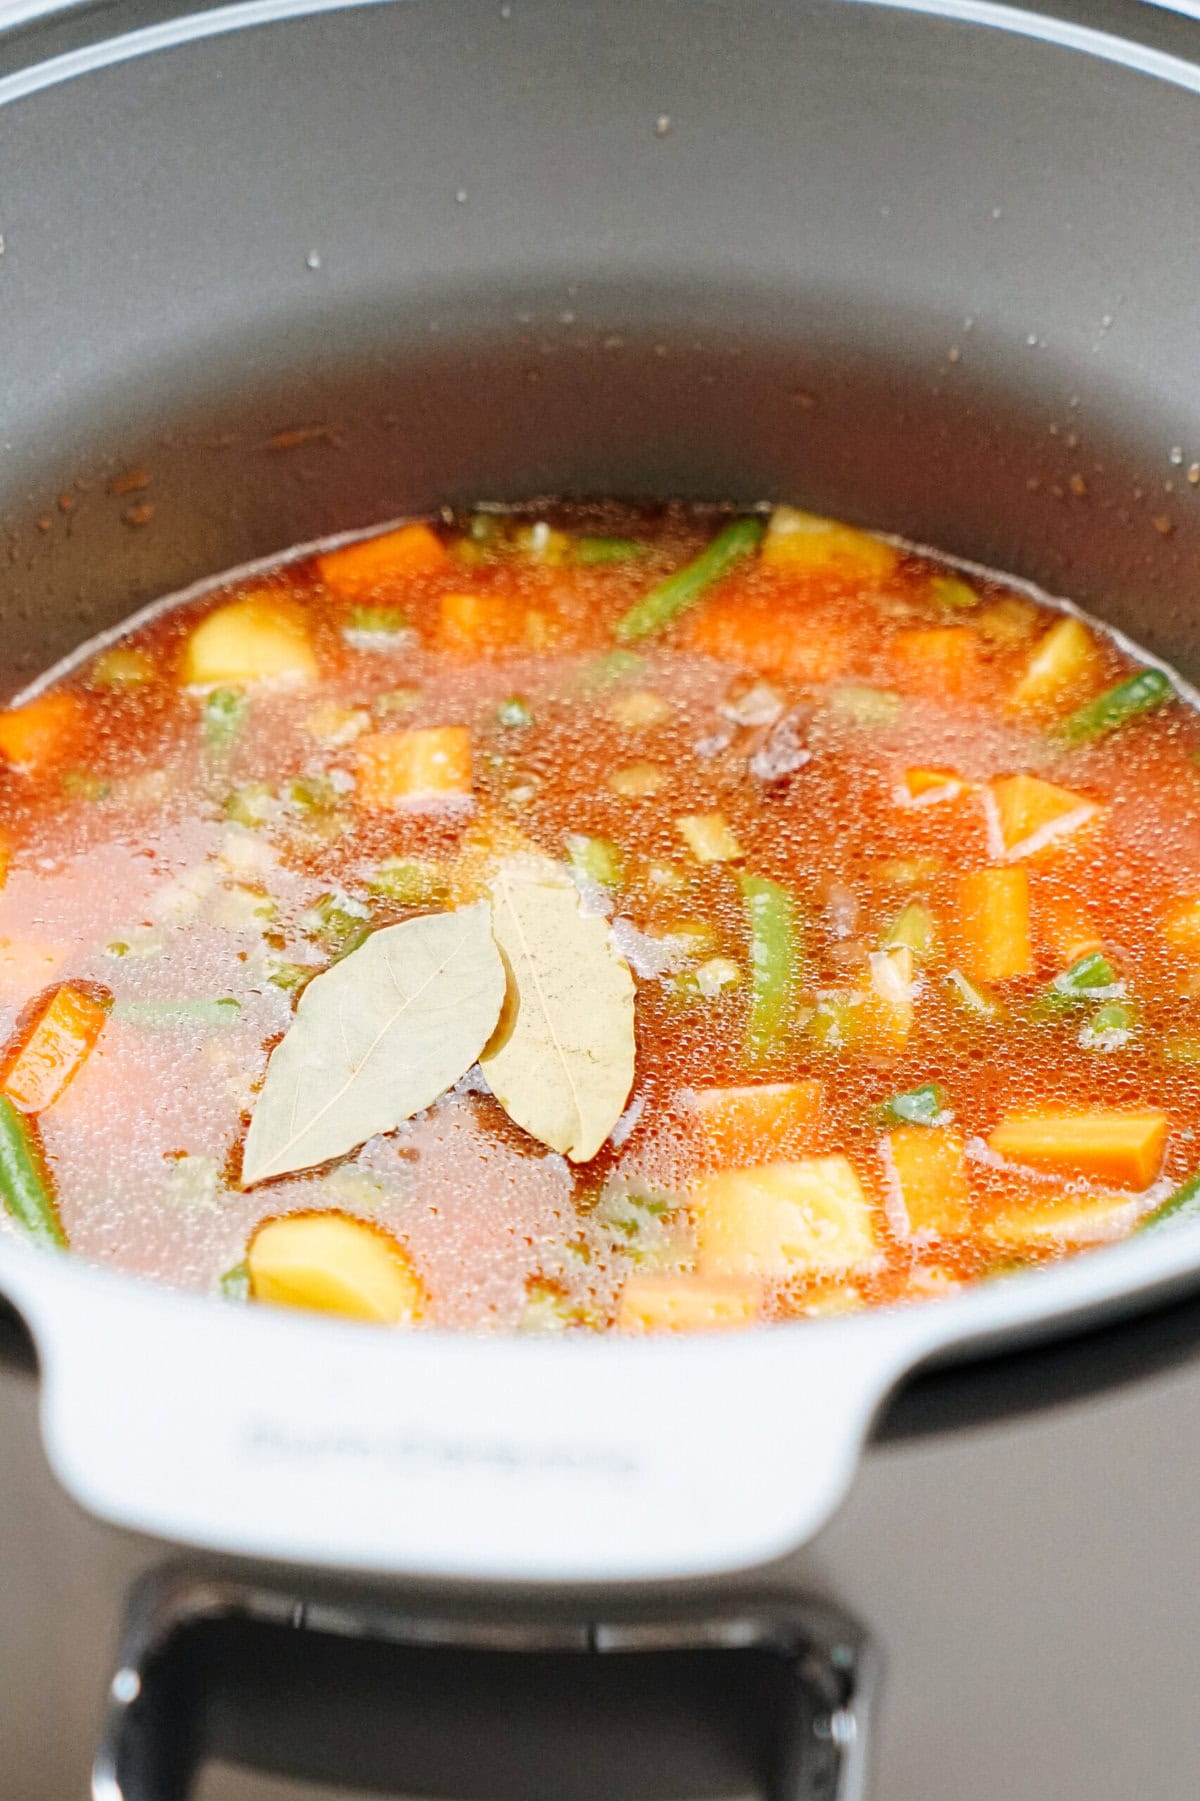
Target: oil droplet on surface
{"points": [[313, 260], [662, 125]]}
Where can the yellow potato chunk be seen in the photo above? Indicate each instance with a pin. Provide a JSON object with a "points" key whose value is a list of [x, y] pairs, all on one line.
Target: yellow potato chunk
{"points": [[1120, 1149], [329, 1263], [1061, 665], [783, 1219], [686, 1304], [1059, 1219], [708, 837], [640, 709], [637, 781], [930, 1169], [1028, 814], [263, 638], [398, 768], [807, 543]]}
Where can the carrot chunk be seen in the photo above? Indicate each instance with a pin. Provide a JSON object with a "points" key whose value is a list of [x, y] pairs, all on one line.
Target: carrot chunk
{"points": [[1066, 929], [54, 1050], [471, 623], [930, 1168], [943, 660], [395, 768], [992, 924], [359, 570], [759, 1122], [39, 734], [686, 1304], [1121, 1148], [1181, 927], [761, 635], [930, 785], [1026, 814]]}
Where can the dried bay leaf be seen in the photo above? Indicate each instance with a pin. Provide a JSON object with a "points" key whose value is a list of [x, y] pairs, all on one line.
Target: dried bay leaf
{"points": [[560, 1062], [377, 1038]]}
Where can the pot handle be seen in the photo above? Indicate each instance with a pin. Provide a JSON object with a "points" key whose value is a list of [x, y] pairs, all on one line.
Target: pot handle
{"points": [[278, 1435]]}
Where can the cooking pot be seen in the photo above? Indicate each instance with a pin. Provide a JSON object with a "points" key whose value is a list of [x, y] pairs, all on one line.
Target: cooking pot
{"points": [[286, 268]]}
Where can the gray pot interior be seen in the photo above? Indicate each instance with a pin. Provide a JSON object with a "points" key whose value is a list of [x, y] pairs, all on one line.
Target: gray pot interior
{"points": [[895, 266]]}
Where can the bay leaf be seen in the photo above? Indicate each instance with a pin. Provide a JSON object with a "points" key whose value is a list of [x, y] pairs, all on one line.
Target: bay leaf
{"points": [[560, 1061], [377, 1038]]}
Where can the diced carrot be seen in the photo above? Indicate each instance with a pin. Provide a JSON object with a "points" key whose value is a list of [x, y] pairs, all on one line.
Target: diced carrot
{"points": [[373, 565], [1181, 927], [5, 859], [687, 1304], [42, 732], [1064, 927], [395, 768], [1122, 1148], [930, 785], [759, 1123], [930, 1168], [992, 924], [1026, 814], [941, 660], [54, 1049], [470, 623], [772, 639]]}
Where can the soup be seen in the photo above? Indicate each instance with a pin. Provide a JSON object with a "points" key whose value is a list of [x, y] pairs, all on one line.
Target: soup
{"points": [[651, 919]]}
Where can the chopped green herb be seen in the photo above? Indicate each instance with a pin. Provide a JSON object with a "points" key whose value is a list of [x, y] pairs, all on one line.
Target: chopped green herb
{"points": [[548, 1309], [514, 713], [923, 1106], [225, 712], [596, 860], [400, 700], [1089, 978], [234, 1284], [1181, 1205], [81, 784], [200, 1012], [1139, 694], [974, 998], [338, 922], [373, 628], [913, 926], [291, 977], [410, 882], [120, 666], [250, 805], [668, 599], [860, 705], [311, 794], [608, 550]]}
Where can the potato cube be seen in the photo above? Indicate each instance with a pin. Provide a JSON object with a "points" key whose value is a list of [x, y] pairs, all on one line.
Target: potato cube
{"points": [[806, 542], [784, 1219], [263, 638], [330, 1263], [1061, 667], [686, 1304], [373, 565]]}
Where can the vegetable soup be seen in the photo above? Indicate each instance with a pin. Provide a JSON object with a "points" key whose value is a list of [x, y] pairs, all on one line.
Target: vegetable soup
{"points": [[651, 919]]}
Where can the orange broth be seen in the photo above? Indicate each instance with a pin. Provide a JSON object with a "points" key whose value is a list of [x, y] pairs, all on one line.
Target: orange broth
{"points": [[172, 840]]}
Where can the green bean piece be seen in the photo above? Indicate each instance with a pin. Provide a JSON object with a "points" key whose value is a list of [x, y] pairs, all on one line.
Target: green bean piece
{"points": [[665, 602], [1113, 1016], [1183, 1204], [607, 550], [222, 1011], [776, 961], [952, 594], [1086, 980], [514, 713], [24, 1184], [224, 716], [923, 1106], [82, 784], [367, 627], [596, 860], [1140, 693]]}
